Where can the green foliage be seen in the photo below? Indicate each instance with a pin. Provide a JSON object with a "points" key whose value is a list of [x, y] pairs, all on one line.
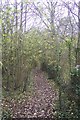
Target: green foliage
{"points": [[75, 76], [23, 51], [52, 71], [6, 115], [44, 66], [70, 98], [68, 42], [75, 84]]}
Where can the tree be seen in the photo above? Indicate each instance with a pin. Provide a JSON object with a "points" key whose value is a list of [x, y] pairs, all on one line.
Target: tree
{"points": [[78, 43]]}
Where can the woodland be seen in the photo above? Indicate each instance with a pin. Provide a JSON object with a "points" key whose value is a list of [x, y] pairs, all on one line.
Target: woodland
{"points": [[40, 59]]}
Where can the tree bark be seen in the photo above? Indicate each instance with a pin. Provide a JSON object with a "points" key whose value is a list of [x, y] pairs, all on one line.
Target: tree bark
{"points": [[78, 44]]}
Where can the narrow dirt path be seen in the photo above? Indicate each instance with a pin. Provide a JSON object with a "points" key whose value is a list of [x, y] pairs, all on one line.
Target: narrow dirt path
{"points": [[44, 97], [41, 104]]}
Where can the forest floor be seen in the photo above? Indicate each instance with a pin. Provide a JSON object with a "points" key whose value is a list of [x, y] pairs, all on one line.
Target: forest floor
{"points": [[40, 104]]}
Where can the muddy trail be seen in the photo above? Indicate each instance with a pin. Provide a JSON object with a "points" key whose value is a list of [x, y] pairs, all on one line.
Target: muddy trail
{"points": [[40, 104]]}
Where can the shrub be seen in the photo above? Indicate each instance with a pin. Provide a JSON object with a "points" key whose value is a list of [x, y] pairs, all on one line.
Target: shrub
{"points": [[75, 82], [52, 74], [44, 66], [52, 70], [6, 115]]}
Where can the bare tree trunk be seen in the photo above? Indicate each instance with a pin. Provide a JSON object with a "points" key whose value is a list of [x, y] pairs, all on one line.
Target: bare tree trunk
{"points": [[78, 44], [16, 50], [78, 61], [25, 17], [21, 15], [52, 15], [16, 15]]}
